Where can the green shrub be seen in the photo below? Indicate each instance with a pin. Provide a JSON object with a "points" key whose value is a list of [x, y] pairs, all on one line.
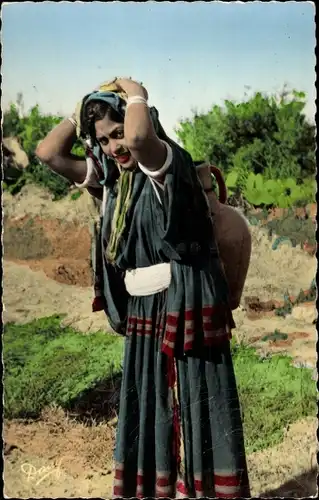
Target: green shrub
{"points": [[282, 193], [297, 230], [30, 130], [263, 134]]}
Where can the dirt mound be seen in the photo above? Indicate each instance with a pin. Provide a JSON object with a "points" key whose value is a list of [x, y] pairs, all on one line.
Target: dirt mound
{"points": [[64, 225], [272, 272], [61, 249], [63, 270], [35, 201], [41, 241], [31, 294]]}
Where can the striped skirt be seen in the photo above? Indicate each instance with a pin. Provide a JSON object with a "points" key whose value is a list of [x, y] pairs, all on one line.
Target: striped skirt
{"points": [[179, 430]]}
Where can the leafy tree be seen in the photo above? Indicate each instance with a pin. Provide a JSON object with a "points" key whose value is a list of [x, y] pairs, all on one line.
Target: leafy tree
{"points": [[266, 135], [12, 125], [30, 129]]}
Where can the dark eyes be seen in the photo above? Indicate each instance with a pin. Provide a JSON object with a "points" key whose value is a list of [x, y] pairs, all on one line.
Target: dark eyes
{"points": [[117, 134]]}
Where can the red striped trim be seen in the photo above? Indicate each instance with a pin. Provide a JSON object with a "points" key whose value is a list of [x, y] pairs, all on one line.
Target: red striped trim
{"points": [[217, 323], [208, 310], [227, 495], [188, 346], [139, 480], [141, 330], [142, 326], [231, 480], [162, 481], [142, 321], [189, 315], [167, 350], [118, 474], [118, 491], [170, 336], [181, 488], [189, 331], [163, 493], [198, 485], [172, 320]]}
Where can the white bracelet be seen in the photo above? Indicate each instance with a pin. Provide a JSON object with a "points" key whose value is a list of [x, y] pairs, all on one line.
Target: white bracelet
{"points": [[136, 99], [155, 174], [72, 121]]}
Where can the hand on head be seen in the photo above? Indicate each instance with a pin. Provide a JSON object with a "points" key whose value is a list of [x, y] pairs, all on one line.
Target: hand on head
{"points": [[124, 87], [127, 85]]}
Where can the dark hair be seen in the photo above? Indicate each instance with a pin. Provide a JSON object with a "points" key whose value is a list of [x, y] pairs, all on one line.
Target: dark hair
{"points": [[94, 111]]}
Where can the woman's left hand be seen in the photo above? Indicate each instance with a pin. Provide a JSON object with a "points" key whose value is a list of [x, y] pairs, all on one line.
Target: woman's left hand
{"points": [[131, 87]]}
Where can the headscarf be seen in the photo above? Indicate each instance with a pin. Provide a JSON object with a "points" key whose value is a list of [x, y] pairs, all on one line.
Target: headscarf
{"points": [[113, 95]]}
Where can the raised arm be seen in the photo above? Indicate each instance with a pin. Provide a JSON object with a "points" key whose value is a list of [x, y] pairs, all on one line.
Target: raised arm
{"points": [[55, 151], [140, 136]]}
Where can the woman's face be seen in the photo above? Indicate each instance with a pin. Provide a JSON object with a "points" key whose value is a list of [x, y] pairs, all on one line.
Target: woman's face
{"points": [[110, 135]]}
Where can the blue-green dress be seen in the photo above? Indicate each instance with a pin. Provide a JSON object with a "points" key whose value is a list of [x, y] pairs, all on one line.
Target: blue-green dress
{"points": [[179, 429]]}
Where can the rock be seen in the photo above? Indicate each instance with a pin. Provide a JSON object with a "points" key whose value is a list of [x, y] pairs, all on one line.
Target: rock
{"points": [[305, 312], [255, 304], [14, 159], [11, 147], [8, 448], [310, 249]]}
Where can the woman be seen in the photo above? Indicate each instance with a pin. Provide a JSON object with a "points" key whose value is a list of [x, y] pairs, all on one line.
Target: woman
{"points": [[162, 286]]}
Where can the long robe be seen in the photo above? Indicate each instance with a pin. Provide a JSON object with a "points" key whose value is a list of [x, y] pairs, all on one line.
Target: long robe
{"points": [[179, 429]]}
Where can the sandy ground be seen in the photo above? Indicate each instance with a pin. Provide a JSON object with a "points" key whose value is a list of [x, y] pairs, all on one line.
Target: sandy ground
{"points": [[58, 457], [44, 297]]}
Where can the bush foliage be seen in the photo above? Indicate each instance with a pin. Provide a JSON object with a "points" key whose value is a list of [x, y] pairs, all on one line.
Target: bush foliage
{"points": [[266, 134], [261, 192], [263, 139]]}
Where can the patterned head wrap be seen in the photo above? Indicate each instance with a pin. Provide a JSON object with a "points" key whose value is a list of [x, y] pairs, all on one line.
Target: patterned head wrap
{"points": [[110, 93]]}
